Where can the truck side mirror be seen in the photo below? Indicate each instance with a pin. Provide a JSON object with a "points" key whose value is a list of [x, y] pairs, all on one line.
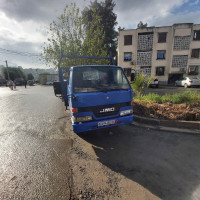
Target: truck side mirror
{"points": [[57, 89]]}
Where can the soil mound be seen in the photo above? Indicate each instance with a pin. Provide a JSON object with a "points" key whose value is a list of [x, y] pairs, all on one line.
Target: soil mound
{"points": [[167, 111]]}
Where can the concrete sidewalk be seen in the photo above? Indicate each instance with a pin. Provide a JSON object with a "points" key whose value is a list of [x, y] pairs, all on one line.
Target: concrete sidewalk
{"points": [[168, 125]]}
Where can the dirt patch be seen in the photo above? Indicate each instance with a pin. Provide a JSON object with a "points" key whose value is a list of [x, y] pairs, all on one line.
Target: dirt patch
{"points": [[168, 111]]}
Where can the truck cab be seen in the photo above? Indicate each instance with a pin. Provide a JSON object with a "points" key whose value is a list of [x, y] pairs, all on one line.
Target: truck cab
{"points": [[99, 97]]}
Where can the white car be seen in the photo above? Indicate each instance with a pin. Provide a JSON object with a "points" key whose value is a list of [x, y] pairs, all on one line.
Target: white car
{"points": [[154, 83], [188, 82]]}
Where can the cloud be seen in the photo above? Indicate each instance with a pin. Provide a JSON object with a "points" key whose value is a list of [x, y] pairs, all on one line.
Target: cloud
{"points": [[196, 2], [185, 17], [34, 10], [20, 46], [130, 13], [24, 22]]}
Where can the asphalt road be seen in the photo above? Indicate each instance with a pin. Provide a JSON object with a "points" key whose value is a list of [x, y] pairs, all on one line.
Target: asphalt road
{"points": [[34, 158], [41, 157]]}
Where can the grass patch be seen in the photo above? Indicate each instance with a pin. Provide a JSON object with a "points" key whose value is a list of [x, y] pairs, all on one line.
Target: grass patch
{"points": [[178, 98]]}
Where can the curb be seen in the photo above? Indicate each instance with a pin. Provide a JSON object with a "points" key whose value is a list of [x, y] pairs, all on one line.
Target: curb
{"points": [[168, 125]]}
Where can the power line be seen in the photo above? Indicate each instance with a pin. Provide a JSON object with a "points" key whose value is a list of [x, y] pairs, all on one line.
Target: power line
{"points": [[12, 52], [24, 52], [37, 58]]}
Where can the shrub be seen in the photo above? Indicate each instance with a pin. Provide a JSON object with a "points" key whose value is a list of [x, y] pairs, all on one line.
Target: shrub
{"points": [[166, 98], [150, 97], [178, 98], [140, 83]]}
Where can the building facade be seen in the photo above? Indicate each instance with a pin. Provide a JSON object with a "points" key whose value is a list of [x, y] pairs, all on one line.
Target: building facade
{"points": [[44, 78], [167, 53]]}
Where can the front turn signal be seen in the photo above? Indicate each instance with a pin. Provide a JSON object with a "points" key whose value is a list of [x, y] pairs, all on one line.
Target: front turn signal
{"points": [[74, 110]]}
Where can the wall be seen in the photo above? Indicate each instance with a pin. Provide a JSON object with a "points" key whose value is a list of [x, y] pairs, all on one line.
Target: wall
{"points": [[144, 48]]}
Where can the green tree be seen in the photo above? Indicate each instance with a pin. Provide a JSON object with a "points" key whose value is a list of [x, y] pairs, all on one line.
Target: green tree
{"points": [[65, 33], [120, 28], [70, 34], [140, 83], [93, 42], [141, 25], [108, 20], [14, 73], [30, 76]]}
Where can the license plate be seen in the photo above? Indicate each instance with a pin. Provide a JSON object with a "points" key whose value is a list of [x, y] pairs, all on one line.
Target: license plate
{"points": [[104, 123]]}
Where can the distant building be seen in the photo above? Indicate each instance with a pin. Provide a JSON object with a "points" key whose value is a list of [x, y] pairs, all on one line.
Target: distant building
{"points": [[44, 78], [37, 72], [167, 53]]}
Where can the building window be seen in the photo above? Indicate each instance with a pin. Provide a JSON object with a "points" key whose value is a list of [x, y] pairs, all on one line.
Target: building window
{"points": [[162, 37], [128, 40], [195, 53], [196, 35], [179, 61], [144, 58], [144, 69], [193, 70], [145, 41], [182, 42], [161, 54], [160, 71], [127, 56]]}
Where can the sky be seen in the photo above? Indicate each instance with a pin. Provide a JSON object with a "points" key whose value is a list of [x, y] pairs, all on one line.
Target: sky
{"points": [[24, 23]]}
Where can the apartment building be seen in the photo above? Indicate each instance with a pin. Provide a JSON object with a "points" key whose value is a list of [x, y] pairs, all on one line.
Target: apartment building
{"points": [[167, 53]]}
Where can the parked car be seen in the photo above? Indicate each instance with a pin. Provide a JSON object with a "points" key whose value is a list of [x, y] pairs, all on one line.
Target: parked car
{"points": [[30, 82], [49, 83], [154, 83], [188, 82]]}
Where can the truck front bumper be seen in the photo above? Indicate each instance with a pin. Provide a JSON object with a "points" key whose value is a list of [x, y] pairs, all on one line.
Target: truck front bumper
{"points": [[95, 125]]}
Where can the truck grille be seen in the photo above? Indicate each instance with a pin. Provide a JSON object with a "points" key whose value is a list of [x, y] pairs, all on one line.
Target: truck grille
{"points": [[103, 111]]}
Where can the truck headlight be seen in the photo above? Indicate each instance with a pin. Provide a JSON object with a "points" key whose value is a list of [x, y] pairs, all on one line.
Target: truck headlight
{"points": [[82, 119], [126, 112]]}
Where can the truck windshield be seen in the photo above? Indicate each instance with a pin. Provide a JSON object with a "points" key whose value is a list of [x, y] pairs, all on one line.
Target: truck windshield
{"points": [[99, 79]]}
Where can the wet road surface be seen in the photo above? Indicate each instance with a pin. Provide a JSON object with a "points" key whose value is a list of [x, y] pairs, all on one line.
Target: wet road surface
{"points": [[41, 157], [34, 151]]}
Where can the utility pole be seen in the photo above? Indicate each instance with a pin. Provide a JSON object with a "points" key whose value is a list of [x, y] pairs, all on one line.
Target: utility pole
{"points": [[7, 70]]}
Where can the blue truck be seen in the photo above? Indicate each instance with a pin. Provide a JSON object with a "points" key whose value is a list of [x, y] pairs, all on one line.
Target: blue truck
{"points": [[98, 96]]}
